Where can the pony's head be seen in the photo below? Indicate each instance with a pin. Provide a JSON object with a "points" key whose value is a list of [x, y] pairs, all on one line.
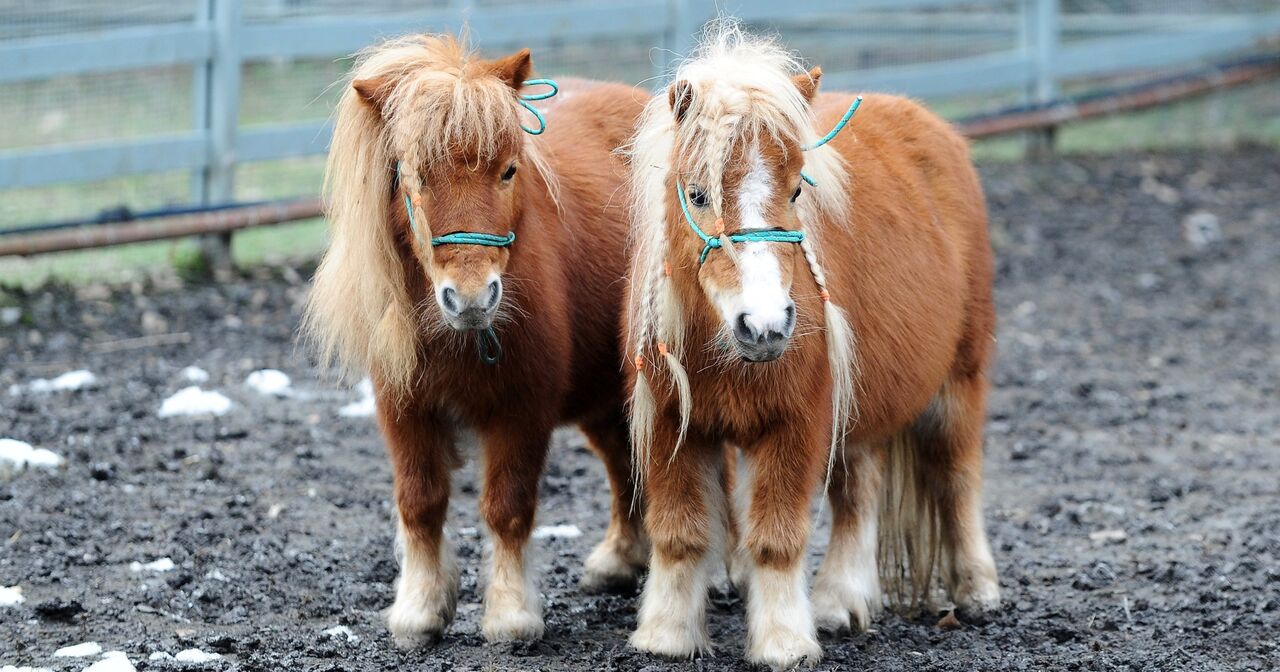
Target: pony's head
{"points": [[732, 204], [427, 153], [723, 208], [452, 128]]}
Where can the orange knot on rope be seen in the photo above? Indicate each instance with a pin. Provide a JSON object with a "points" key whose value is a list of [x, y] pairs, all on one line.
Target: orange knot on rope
{"points": [[718, 229], [662, 349], [826, 296], [639, 362]]}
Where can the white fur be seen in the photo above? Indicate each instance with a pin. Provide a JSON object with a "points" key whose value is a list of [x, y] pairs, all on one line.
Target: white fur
{"points": [[426, 592], [672, 621], [780, 630], [617, 560], [848, 582], [512, 604], [974, 586]]}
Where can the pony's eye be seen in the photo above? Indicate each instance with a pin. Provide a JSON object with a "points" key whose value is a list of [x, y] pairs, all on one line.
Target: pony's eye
{"points": [[795, 195], [698, 197], [510, 172]]}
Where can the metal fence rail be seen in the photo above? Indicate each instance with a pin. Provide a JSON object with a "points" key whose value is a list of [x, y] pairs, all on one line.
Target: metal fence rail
{"points": [[1027, 46]]}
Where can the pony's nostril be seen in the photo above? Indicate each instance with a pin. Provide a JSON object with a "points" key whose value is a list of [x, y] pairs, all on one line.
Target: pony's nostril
{"points": [[449, 300], [743, 329], [789, 323], [495, 292]]}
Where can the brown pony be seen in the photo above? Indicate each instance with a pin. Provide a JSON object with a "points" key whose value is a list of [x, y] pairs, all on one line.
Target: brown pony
{"points": [[429, 161], [727, 349]]}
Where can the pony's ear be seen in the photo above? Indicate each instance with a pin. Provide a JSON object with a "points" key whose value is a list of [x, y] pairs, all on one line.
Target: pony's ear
{"points": [[808, 83], [374, 91], [680, 96], [513, 69]]}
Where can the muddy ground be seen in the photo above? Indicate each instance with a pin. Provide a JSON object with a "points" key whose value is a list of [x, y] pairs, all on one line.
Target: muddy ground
{"points": [[1132, 462]]}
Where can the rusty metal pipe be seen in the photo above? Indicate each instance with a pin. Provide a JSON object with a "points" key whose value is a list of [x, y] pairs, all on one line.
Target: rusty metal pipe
{"points": [[178, 226]]}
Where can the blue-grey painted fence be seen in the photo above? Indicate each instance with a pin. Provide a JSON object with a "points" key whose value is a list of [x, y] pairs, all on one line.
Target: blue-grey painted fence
{"points": [[218, 42]]}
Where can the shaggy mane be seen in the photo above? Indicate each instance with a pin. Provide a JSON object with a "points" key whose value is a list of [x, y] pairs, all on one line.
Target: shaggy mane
{"points": [[359, 316]]}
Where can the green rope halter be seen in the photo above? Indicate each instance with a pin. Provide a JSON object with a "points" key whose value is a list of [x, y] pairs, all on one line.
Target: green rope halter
{"points": [[713, 242], [767, 235], [844, 121], [487, 345]]}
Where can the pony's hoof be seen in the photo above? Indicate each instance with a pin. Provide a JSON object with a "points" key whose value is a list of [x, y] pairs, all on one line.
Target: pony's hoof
{"points": [[412, 626], [511, 625], [978, 603], [670, 640], [836, 610], [784, 649], [608, 571]]}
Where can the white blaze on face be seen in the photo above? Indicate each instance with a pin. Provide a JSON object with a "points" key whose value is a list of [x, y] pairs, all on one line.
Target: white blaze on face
{"points": [[763, 299]]}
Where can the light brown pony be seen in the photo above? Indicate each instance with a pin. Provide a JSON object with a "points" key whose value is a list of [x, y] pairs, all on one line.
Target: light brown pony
{"points": [[388, 302], [728, 351]]}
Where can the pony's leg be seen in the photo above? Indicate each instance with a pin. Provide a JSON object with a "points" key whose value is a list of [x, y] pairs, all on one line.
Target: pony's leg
{"points": [[616, 562], [848, 582], [950, 436], [785, 469], [686, 530], [737, 562], [422, 453], [513, 461]]}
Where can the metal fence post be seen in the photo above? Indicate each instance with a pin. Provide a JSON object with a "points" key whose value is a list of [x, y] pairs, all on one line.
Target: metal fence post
{"points": [[221, 117], [1039, 39]]}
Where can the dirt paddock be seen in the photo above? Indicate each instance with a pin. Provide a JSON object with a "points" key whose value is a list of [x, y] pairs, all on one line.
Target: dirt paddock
{"points": [[1131, 463]]}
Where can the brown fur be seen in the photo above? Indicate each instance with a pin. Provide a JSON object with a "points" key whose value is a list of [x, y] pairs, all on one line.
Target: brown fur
{"points": [[561, 301], [911, 265]]}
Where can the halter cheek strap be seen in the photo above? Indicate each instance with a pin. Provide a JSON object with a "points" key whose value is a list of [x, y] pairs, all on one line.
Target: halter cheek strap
{"points": [[765, 236]]}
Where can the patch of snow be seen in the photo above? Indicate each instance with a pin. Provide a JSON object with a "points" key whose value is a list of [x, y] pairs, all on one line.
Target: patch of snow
{"points": [[342, 631], [161, 565], [195, 656], [365, 406], [195, 401], [9, 316], [159, 655], [270, 382], [112, 661], [1201, 229], [68, 382], [194, 374], [11, 668], [11, 596], [18, 455], [79, 650], [557, 532]]}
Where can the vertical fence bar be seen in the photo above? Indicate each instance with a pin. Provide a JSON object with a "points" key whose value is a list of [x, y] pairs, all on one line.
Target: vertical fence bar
{"points": [[200, 103], [1039, 38], [223, 117]]}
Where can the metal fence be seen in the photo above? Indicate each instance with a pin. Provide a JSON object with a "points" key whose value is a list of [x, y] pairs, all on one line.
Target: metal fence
{"points": [[163, 103]]}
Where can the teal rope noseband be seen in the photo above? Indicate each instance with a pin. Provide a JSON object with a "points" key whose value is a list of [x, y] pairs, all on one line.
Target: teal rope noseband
{"points": [[713, 242], [457, 237], [525, 99]]}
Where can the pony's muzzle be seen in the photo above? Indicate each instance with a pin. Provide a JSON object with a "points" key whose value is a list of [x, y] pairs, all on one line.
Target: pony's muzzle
{"points": [[473, 310], [760, 340]]}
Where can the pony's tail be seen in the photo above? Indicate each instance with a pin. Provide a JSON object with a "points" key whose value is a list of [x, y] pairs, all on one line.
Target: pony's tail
{"points": [[910, 544]]}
